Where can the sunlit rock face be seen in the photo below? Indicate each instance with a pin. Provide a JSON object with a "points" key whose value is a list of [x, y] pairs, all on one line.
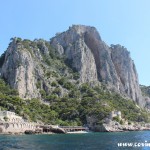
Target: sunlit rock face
{"points": [[82, 46], [96, 61]]}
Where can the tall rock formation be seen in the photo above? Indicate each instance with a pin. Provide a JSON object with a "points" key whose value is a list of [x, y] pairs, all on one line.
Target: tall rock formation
{"points": [[96, 61], [126, 72], [21, 68], [73, 46], [84, 49]]}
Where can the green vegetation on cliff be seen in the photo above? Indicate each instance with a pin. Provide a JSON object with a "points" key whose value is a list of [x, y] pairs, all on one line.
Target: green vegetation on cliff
{"points": [[72, 108], [64, 100], [145, 90]]}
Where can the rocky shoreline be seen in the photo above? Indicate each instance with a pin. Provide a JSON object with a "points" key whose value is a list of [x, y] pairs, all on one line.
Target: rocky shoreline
{"points": [[111, 127], [114, 126], [11, 129], [16, 125]]}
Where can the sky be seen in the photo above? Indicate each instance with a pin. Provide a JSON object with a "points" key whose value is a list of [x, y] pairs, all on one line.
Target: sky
{"points": [[124, 22]]}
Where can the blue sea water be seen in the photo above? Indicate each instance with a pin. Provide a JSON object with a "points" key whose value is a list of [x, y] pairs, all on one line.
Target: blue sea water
{"points": [[90, 141]]}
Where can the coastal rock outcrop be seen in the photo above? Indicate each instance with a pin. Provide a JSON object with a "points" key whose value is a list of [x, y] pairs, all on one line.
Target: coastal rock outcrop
{"points": [[96, 61], [71, 43], [25, 64], [19, 69], [24, 67], [127, 74]]}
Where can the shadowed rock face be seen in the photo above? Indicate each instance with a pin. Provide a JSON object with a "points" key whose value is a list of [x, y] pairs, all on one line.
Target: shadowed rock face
{"points": [[96, 61]]}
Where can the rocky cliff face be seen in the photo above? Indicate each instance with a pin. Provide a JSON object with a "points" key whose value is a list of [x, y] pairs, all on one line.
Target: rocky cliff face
{"points": [[96, 61], [24, 65], [126, 72], [146, 95], [73, 46], [19, 69]]}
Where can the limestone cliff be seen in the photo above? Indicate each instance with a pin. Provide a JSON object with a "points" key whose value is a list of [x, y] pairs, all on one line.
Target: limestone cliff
{"points": [[127, 74], [19, 69], [96, 61], [26, 68], [28, 64], [73, 46]]}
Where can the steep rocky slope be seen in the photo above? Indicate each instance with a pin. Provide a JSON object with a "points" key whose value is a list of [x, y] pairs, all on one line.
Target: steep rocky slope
{"points": [[96, 61], [73, 79], [32, 66], [28, 64]]}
